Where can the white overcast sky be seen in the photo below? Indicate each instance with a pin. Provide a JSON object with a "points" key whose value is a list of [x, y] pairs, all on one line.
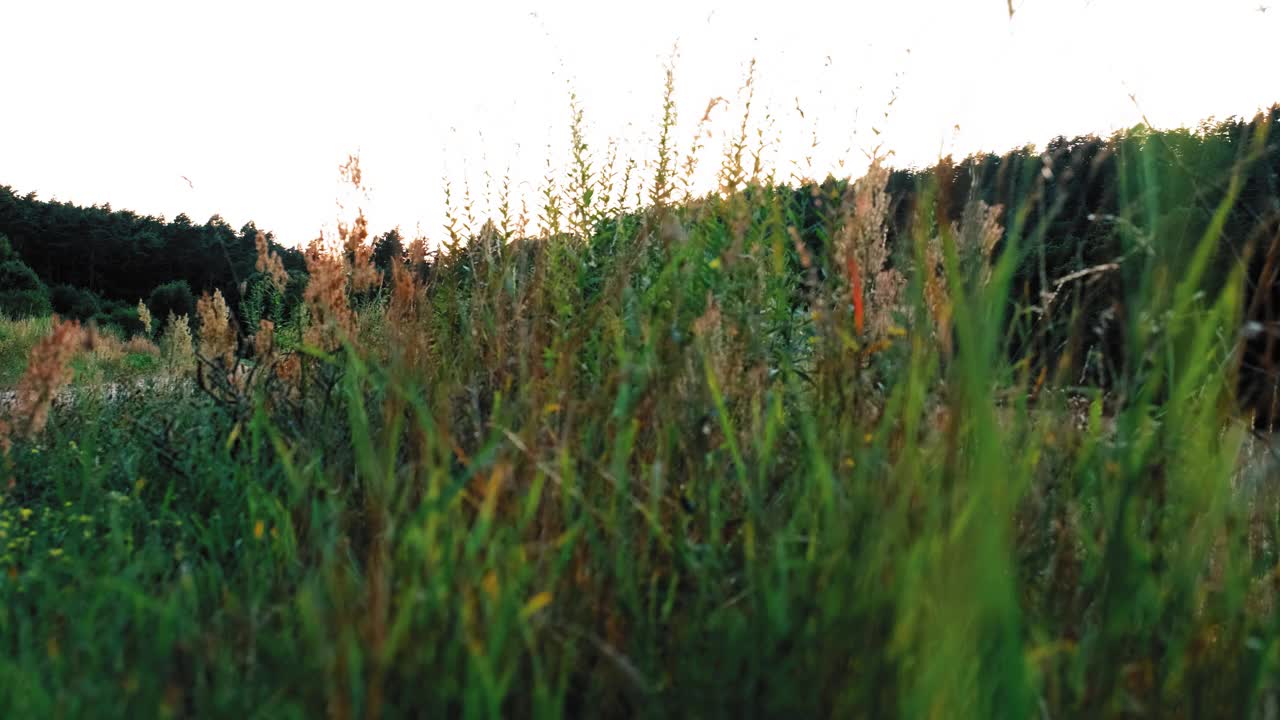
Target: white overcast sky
{"points": [[258, 102]]}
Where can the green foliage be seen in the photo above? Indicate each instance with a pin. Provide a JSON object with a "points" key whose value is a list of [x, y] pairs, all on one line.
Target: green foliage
{"points": [[22, 294], [674, 463], [173, 297], [17, 337], [121, 256], [73, 302], [24, 303], [122, 318], [388, 248], [15, 275]]}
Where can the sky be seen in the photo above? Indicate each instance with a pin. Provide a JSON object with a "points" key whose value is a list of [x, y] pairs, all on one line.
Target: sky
{"points": [[247, 109]]}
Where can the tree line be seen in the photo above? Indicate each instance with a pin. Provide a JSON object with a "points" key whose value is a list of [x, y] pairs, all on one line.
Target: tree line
{"points": [[1133, 204]]}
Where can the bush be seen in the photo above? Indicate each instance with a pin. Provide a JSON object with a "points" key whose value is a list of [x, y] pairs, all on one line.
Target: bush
{"points": [[18, 304], [6, 250], [172, 298], [73, 302], [121, 318], [16, 275], [22, 294]]}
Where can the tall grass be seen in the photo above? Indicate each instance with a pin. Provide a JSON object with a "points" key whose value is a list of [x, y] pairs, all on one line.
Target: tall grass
{"points": [[668, 462]]}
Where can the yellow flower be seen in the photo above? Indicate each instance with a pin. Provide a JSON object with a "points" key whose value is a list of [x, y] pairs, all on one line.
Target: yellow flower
{"points": [[258, 529], [26, 513]]}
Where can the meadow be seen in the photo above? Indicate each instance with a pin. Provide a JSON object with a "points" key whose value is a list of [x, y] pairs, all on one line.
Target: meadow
{"points": [[906, 445]]}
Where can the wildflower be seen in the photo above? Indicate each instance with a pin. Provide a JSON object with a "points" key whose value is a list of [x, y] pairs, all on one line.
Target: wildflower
{"points": [[258, 529], [26, 513]]}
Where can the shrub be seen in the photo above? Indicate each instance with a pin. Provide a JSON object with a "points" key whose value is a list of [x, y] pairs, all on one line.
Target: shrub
{"points": [[22, 294], [141, 363], [6, 250], [19, 304], [121, 318], [73, 302], [16, 275], [172, 298]]}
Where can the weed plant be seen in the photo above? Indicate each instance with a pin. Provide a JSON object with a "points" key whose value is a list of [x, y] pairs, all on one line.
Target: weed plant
{"points": [[665, 462]]}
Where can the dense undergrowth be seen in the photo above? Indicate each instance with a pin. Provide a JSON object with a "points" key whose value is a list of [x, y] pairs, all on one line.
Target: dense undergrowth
{"points": [[713, 458]]}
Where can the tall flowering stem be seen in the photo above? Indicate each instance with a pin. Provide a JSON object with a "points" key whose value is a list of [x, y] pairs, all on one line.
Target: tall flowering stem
{"points": [[855, 289]]}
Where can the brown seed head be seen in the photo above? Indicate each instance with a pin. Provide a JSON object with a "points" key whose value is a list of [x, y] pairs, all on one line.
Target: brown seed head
{"points": [[270, 263], [264, 340], [325, 296], [48, 371], [217, 335]]}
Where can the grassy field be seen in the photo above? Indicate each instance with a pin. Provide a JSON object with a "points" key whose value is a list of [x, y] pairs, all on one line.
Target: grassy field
{"points": [[665, 462]]}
